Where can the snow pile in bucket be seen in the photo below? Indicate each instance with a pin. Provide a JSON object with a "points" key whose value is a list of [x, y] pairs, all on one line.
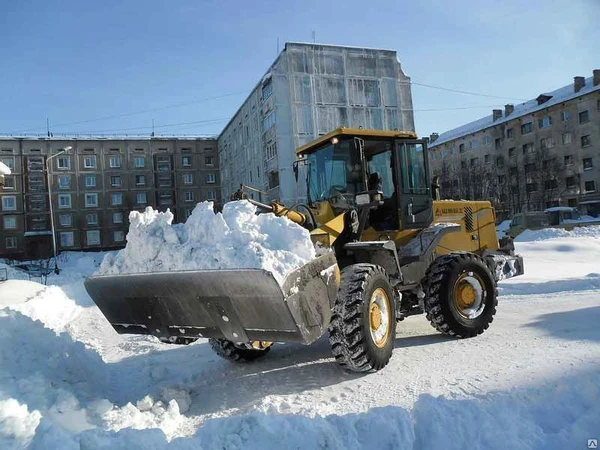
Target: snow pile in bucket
{"points": [[237, 238]]}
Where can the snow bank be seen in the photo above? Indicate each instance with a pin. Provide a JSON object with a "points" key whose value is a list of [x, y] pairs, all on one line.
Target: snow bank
{"points": [[237, 238], [592, 231], [4, 169]]}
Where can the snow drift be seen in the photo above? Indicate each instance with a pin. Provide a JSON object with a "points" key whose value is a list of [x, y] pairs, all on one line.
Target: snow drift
{"points": [[238, 238]]}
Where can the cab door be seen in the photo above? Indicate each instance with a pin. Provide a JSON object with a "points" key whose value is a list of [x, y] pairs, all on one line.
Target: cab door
{"points": [[413, 188]]}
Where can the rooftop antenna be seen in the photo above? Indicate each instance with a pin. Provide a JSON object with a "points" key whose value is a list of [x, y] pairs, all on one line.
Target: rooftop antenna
{"points": [[152, 128], [314, 37], [48, 127]]}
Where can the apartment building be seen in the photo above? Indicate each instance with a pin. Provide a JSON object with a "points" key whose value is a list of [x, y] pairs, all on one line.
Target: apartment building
{"points": [[308, 91], [542, 153], [94, 187]]}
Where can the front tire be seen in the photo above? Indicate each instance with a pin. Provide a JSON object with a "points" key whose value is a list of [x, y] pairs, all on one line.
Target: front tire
{"points": [[460, 295], [363, 323], [232, 352]]}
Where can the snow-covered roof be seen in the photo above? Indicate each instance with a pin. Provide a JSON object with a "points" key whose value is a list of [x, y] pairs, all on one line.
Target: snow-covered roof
{"points": [[560, 95], [4, 169], [560, 208]]}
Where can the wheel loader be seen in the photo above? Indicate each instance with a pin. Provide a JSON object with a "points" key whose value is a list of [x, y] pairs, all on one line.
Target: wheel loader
{"points": [[389, 249]]}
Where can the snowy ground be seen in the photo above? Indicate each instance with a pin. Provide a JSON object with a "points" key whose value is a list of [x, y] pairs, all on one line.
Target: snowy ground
{"points": [[68, 381]]}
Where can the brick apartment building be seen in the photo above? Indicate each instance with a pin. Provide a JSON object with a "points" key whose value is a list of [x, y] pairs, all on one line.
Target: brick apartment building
{"points": [[95, 185]]}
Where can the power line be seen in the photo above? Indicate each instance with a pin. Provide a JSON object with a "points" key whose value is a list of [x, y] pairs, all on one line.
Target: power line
{"points": [[464, 92], [116, 116], [148, 127], [451, 109]]}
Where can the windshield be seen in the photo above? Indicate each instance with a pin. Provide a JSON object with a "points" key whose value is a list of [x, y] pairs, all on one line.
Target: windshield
{"points": [[334, 171]]}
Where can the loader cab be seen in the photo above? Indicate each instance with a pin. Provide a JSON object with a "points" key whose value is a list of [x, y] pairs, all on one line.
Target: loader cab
{"points": [[385, 170]]}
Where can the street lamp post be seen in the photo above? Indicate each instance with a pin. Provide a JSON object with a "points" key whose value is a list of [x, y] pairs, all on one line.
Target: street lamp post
{"points": [[49, 180]]}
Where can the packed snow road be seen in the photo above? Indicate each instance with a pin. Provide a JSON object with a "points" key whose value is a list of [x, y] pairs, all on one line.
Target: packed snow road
{"points": [[532, 380]]}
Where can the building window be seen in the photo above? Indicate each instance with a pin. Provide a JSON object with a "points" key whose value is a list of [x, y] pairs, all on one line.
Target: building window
{"points": [[488, 159], [590, 186], [208, 160], [188, 178], [551, 184], [65, 220], [584, 116], [64, 181], [186, 161], [586, 141], [91, 219], [116, 199], [140, 180], [89, 162], [544, 122], [267, 90], [11, 242], [64, 201], [269, 121], [510, 133], [139, 162], [90, 181], [9, 161], [9, 203], [9, 182], [528, 148], [93, 237], [115, 181], [566, 138], [461, 148], [463, 164], [486, 140], [511, 152], [529, 168], [188, 212], [119, 236], [587, 163], [501, 179], [91, 200], [10, 222], [546, 143], [531, 187], [66, 239], [513, 171], [568, 160], [211, 178], [570, 181], [117, 217], [273, 179], [114, 162], [271, 150], [564, 115], [572, 202], [63, 162], [210, 195], [189, 196], [498, 143], [141, 198], [500, 161], [526, 128], [473, 144]]}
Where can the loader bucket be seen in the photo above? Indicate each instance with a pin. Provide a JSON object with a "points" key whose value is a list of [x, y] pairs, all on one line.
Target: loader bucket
{"points": [[241, 305]]}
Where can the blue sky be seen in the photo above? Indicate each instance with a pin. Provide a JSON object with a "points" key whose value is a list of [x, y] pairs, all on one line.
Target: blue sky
{"points": [[75, 60]]}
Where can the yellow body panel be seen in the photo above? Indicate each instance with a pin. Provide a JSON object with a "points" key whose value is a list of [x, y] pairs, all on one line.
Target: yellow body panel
{"points": [[477, 220], [359, 132]]}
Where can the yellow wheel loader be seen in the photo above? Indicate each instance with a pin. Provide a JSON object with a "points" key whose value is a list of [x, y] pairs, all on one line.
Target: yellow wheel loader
{"points": [[390, 249]]}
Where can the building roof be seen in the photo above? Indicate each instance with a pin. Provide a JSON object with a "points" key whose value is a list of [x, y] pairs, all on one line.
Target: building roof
{"points": [[558, 96], [76, 137]]}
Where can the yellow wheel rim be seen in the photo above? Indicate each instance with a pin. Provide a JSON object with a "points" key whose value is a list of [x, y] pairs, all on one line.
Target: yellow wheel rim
{"points": [[469, 295], [380, 317]]}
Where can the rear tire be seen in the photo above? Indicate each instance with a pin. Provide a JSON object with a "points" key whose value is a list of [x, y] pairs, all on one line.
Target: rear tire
{"points": [[230, 351], [363, 322], [460, 295]]}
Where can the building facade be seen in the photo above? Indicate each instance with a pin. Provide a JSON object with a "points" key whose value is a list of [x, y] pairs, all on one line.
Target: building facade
{"points": [[528, 157], [94, 187], [308, 91]]}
